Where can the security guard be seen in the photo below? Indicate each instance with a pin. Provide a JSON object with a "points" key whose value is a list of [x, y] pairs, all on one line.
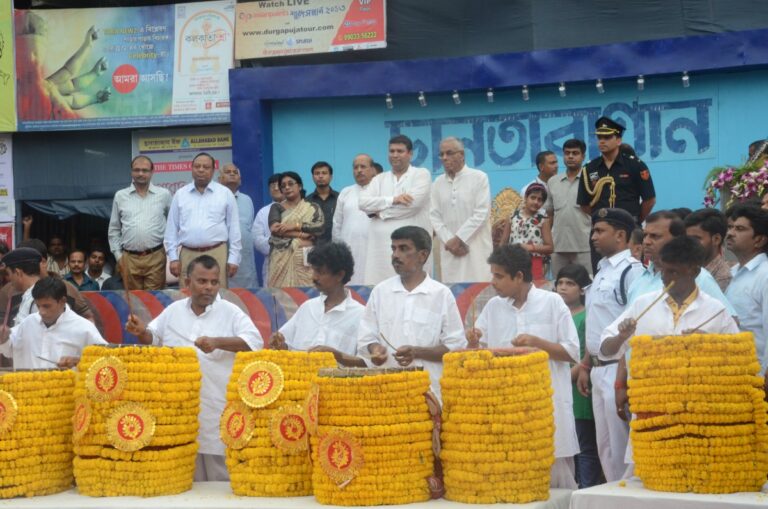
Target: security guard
{"points": [[615, 179]]}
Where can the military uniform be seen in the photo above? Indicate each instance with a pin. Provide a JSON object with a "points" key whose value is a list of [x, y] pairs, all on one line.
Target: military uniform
{"points": [[622, 186]]}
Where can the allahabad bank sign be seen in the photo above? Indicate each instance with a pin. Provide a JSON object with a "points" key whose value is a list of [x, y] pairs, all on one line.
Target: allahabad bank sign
{"points": [[277, 28]]}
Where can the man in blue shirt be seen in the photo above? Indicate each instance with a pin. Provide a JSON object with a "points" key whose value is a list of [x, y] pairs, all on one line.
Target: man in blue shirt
{"points": [[77, 275], [747, 238]]}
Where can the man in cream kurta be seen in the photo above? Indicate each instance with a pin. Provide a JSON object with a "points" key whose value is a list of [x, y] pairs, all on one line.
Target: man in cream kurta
{"points": [[217, 329], [393, 199], [350, 224], [543, 315], [461, 204]]}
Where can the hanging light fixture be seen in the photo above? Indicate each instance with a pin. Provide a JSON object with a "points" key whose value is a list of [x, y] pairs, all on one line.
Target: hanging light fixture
{"points": [[489, 95], [525, 93], [456, 98], [422, 99], [599, 86], [641, 83], [686, 80], [389, 102], [561, 89]]}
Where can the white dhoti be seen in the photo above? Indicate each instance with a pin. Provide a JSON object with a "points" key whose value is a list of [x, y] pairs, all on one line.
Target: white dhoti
{"points": [[612, 432]]}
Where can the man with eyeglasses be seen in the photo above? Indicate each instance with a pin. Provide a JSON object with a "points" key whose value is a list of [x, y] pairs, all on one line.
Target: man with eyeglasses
{"points": [[606, 299], [461, 204], [615, 179], [137, 226]]}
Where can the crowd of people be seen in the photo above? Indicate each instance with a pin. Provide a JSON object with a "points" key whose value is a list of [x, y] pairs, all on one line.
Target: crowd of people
{"points": [[619, 269]]}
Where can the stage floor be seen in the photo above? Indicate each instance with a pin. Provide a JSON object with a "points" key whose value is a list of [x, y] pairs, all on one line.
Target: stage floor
{"points": [[218, 495]]}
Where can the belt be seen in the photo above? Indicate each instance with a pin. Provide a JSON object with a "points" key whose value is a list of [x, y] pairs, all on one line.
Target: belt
{"points": [[597, 363], [204, 248], [145, 252]]}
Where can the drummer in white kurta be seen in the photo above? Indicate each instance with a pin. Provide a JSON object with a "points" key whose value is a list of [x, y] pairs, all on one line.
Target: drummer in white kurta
{"points": [[350, 224], [523, 315], [685, 309], [411, 312], [461, 204], [218, 329], [393, 199], [327, 323]]}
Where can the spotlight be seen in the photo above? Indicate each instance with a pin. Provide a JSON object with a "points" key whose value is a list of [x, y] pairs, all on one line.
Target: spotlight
{"points": [[561, 89], [599, 86], [389, 102], [489, 95], [641, 83], [455, 97], [525, 93], [686, 80], [422, 99]]}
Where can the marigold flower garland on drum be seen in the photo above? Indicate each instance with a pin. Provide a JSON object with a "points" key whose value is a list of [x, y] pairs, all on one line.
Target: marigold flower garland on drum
{"points": [[498, 426], [265, 425], [35, 432], [135, 420], [374, 439], [700, 421]]}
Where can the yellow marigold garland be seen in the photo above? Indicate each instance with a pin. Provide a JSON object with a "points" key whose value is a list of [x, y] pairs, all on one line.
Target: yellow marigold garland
{"points": [[142, 442], [393, 433], [35, 446], [701, 417], [259, 468], [498, 427]]}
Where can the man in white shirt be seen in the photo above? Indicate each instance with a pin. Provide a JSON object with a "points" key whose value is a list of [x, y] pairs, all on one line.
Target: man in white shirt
{"points": [[246, 272], [523, 315], [218, 329], [53, 336], [23, 265], [95, 269], [410, 319], [685, 310], [570, 225], [260, 228], [461, 205], [350, 224], [606, 299], [747, 238], [203, 220], [394, 199], [327, 323]]}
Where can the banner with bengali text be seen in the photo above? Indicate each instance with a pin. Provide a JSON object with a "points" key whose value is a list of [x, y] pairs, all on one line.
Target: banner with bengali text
{"points": [[7, 80], [277, 28], [124, 67]]}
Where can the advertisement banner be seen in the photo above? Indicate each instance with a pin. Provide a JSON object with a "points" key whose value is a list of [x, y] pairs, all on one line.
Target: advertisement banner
{"points": [[7, 202], [6, 234], [172, 150], [7, 80], [279, 28], [116, 67]]}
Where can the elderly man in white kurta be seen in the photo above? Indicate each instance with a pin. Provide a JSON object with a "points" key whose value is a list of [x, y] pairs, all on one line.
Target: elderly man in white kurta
{"points": [[217, 329], [410, 319], [523, 315], [350, 224], [461, 204], [393, 199]]}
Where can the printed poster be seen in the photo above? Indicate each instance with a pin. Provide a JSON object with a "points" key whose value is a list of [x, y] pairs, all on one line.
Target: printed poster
{"points": [[7, 79], [7, 202]]}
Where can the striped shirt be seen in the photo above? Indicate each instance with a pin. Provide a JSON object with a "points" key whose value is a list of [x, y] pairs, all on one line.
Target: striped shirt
{"points": [[203, 219], [138, 222]]}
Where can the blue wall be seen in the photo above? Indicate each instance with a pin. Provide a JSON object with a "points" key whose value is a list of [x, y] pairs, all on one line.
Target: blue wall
{"points": [[681, 133]]}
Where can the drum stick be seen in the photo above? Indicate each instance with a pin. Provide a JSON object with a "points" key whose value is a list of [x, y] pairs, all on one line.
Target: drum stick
{"points": [[657, 299]]}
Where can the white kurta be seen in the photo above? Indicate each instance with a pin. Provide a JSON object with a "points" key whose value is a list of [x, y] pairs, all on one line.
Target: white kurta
{"points": [[427, 316], [31, 339], [178, 325], [460, 208], [545, 315], [350, 225], [377, 199], [311, 326]]}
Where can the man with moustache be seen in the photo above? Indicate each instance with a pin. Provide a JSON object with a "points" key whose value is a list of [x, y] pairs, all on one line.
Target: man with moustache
{"points": [[411, 312], [217, 329], [461, 204], [203, 220], [246, 271], [350, 224], [394, 199], [327, 323], [260, 227]]}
